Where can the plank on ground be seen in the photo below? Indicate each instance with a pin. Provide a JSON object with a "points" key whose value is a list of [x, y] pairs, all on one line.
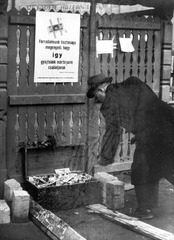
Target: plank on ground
{"points": [[133, 224], [114, 167], [51, 224]]}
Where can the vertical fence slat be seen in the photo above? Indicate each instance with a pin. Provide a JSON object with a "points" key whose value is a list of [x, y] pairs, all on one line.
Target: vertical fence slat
{"points": [[75, 125], [22, 31], [157, 55], [32, 88], [112, 59], [134, 55], [149, 69], [120, 60], [142, 56], [105, 57], [12, 89], [127, 61]]}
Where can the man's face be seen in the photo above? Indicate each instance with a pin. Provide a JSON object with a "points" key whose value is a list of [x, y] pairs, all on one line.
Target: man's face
{"points": [[99, 95]]}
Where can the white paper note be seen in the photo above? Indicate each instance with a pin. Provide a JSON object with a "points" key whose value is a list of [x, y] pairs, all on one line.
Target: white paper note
{"points": [[105, 46], [126, 45]]}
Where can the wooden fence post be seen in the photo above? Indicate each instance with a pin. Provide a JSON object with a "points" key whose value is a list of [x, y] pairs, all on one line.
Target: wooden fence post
{"points": [[92, 112], [3, 97], [166, 60]]}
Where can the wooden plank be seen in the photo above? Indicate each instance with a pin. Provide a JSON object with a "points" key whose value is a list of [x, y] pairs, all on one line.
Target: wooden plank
{"points": [[120, 62], [3, 98], [130, 25], [22, 20], [31, 20], [67, 120], [31, 87], [3, 27], [12, 57], [67, 123], [3, 55], [127, 60], [105, 58], [132, 223], [141, 55], [84, 59], [46, 160], [93, 138], [22, 57], [23, 82], [114, 167], [150, 57], [114, 58], [30, 44], [46, 99], [134, 55], [157, 63], [83, 135], [3, 168], [50, 114], [98, 60], [59, 125], [41, 123], [3, 178], [13, 165], [23, 124], [3, 73], [83, 76], [76, 121], [51, 224]]}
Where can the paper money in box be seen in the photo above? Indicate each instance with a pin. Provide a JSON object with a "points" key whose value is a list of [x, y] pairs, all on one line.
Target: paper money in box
{"points": [[61, 189]]}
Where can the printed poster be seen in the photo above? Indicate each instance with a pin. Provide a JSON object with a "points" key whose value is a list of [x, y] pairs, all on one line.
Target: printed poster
{"points": [[56, 47]]}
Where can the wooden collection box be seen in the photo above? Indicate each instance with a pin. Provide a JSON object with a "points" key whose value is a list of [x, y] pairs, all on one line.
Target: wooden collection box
{"points": [[39, 162]]}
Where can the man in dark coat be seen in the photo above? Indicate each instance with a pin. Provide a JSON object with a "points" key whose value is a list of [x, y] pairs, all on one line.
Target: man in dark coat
{"points": [[133, 105]]}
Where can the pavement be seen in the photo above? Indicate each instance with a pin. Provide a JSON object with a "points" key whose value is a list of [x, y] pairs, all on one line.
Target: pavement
{"points": [[94, 227]]}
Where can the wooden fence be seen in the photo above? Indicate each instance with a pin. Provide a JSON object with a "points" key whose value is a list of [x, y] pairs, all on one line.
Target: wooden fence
{"points": [[36, 111], [143, 63]]}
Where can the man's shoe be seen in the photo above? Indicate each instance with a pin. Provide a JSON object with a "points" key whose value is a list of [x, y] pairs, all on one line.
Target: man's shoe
{"points": [[141, 213]]}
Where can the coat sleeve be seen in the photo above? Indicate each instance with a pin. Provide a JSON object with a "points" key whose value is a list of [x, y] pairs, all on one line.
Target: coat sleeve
{"points": [[111, 137]]}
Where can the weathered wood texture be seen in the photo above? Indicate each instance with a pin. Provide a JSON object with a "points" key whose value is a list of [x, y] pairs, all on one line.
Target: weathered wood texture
{"points": [[50, 99], [132, 223], [51, 224], [65, 196], [74, 120], [40, 161], [3, 98], [144, 63], [166, 60], [39, 110], [115, 167]]}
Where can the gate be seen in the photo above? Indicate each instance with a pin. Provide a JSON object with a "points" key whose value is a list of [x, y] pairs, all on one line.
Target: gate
{"points": [[143, 63], [36, 111]]}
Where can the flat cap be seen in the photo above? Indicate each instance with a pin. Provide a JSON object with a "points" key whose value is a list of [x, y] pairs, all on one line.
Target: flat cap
{"points": [[96, 81]]}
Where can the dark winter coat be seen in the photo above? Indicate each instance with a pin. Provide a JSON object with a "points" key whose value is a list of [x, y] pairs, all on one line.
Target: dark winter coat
{"points": [[134, 106]]}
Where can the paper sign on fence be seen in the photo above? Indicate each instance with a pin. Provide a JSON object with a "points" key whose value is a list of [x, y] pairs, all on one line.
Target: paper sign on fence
{"points": [[126, 45], [56, 47]]}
